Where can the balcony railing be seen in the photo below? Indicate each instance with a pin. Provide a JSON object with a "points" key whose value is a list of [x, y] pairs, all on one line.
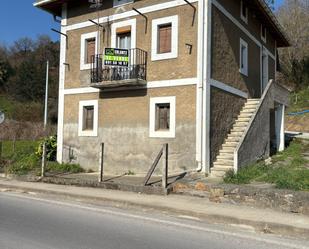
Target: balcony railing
{"points": [[133, 72]]}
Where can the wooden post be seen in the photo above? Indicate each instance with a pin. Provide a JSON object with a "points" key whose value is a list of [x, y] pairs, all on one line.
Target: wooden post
{"points": [[101, 163], [165, 167], [43, 160], [0, 150]]}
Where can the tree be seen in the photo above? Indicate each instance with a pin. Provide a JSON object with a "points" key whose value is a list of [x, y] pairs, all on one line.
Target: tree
{"points": [[294, 16]]}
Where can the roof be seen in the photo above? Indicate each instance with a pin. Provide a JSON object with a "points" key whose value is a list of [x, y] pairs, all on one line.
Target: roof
{"points": [[260, 7]]}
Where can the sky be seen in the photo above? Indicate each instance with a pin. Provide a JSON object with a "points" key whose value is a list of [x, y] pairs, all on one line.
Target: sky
{"points": [[21, 19]]}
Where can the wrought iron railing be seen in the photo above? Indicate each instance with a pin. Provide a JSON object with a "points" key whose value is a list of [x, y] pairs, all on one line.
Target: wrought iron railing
{"points": [[135, 70]]}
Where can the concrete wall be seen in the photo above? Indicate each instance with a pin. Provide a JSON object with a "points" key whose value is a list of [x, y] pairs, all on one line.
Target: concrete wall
{"points": [[256, 144], [224, 109], [124, 128]]}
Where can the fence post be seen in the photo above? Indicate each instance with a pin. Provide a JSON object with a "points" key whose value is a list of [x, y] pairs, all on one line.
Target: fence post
{"points": [[43, 160], [101, 163], [165, 167], [0, 150]]}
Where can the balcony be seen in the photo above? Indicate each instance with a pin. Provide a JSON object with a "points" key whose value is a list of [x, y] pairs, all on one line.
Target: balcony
{"points": [[128, 68]]}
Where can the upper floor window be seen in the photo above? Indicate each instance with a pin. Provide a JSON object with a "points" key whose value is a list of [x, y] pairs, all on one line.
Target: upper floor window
{"points": [[244, 11], [263, 33], [164, 38], [243, 58], [121, 2], [88, 49]]}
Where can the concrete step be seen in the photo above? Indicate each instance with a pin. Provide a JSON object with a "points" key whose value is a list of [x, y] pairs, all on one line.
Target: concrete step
{"points": [[253, 100], [248, 110], [225, 156], [217, 174], [232, 139], [245, 115], [227, 162], [240, 129], [242, 119], [235, 134], [240, 125], [227, 150], [222, 168], [229, 144]]}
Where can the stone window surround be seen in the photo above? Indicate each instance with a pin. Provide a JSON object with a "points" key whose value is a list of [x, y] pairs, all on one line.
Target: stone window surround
{"points": [[245, 68], [155, 56], [152, 117], [88, 133], [263, 38], [83, 43]]}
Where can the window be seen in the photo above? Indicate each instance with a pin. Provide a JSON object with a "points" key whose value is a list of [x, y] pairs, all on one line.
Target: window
{"points": [[263, 33], [243, 11], [121, 2], [89, 48], [88, 118], [164, 38], [162, 117], [243, 58], [123, 34]]}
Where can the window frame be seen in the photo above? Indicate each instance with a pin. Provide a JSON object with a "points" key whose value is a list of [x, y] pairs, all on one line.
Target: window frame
{"points": [[153, 133], [245, 69], [94, 131], [263, 38], [173, 20], [244, 18], [116, 25], [83, 55]]}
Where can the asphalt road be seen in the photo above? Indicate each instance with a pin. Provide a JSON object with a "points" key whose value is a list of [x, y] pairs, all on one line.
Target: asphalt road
{"points": [[32, 222]]}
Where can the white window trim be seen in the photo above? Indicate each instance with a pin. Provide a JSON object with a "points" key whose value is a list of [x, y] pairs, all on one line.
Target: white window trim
{"points": [[154, 43], [84, 38], [263, 38], [115, 26], [94, 132], [244, 70], [152, 118], [244, 18]]}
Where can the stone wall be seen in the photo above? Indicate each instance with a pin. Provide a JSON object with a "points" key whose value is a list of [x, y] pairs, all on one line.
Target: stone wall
{"points": [[224, 109]]}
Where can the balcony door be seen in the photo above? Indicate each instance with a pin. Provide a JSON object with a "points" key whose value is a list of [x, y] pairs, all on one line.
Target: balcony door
{"points": [[124, 40], [265, 77]]}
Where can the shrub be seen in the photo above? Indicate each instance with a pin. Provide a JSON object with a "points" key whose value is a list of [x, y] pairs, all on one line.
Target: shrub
{"points": [[24, 165], [51, 148], [54, 167]]}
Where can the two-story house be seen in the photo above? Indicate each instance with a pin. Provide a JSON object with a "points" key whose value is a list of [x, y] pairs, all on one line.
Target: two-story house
{"points": [[135, 74]]}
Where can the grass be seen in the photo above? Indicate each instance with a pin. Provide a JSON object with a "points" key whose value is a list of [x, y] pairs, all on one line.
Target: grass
{"points": [[287, 170], [299, 101], [23, 160]]}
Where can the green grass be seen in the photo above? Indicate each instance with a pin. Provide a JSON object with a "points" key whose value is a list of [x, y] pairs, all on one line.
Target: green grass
{"points": [[287, 170], [24, 161], [299, 101], [7, 106]]}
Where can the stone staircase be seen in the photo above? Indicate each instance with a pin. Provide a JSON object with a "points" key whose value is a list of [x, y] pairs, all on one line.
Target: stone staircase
{"points": [[225, 160]]}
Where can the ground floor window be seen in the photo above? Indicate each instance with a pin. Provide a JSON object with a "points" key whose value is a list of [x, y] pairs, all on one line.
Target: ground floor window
{"points": [[162, 117], [88, 118]]}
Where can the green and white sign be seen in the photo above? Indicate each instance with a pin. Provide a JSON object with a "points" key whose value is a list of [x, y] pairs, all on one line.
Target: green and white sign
{"points": [[116, 57]]}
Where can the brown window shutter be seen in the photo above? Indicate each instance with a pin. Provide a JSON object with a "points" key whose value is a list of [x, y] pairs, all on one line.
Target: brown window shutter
{"points": [[126, 29], [165, 39], [90, 50], [88, 117]]}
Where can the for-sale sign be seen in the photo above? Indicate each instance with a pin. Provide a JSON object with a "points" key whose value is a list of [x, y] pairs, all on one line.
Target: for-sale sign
{"points": [[116, 57]]}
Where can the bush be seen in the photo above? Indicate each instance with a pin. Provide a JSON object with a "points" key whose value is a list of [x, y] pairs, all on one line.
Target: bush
{"points": [[24, 165], [51, 148]]}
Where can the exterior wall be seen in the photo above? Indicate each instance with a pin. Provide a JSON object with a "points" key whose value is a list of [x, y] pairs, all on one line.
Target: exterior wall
{"points": [[184, 66], [124, 128], [256, 143], [224, 109], [225, 49]]}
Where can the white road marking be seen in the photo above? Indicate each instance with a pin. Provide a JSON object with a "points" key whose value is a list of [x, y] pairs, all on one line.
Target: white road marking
{"points": [[164, 222]]}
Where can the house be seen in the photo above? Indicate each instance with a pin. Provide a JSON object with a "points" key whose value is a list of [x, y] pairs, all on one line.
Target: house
{"points": [[196, 74]]}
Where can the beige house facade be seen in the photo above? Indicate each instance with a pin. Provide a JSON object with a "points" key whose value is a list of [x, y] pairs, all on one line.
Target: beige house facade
{"points": [[135, 75]]}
